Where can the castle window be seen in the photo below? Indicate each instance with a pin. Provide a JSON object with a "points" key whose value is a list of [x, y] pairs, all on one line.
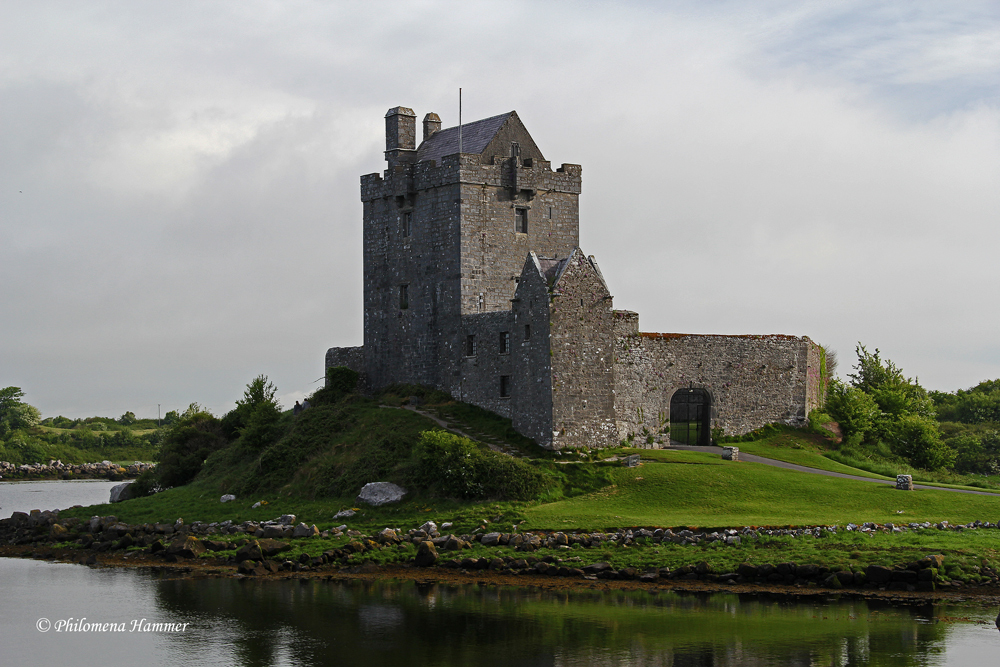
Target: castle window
{"points": [[504, 342], [405, 225], [515, 149], [470, 345], [504, 386], [404, 297], [527, 332], [521, 220]]}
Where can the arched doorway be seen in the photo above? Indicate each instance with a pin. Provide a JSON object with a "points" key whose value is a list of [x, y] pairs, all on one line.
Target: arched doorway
{"points": [[691, 417]]}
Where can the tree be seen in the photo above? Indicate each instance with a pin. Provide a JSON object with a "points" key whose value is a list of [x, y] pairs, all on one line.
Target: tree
{"points": [[854, 410], [14, 413], [127, 419], [255, 418], [882, 405]]}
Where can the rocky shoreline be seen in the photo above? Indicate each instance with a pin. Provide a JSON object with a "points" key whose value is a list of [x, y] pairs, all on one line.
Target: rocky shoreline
{"points": [[56, 469], [257, 549]]}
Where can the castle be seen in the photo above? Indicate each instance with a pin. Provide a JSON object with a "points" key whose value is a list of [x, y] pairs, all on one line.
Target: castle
{"points": [[474, 283]]}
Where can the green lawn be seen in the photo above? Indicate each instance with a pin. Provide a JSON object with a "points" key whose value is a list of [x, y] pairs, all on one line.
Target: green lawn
{"points": [[701, 490]]}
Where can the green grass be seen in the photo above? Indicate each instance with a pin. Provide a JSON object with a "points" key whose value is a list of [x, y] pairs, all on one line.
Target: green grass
{"points": [[702, 490], [679, 489]]}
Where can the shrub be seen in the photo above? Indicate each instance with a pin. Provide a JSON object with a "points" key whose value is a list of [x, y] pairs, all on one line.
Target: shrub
{"points": [[456, 467], [340, 381], [917, 438], [255, 418], [186, 446], [853, 409]]}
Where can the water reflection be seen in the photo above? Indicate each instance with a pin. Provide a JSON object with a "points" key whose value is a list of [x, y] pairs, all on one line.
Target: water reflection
{"points": [[316, 622]]}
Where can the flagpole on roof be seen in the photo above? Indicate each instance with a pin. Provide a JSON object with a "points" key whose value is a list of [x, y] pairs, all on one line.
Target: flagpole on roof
{"points": [[460, 121]]}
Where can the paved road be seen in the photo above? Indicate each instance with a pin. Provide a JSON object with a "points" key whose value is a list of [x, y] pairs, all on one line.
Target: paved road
{"points": [[816, 471]]}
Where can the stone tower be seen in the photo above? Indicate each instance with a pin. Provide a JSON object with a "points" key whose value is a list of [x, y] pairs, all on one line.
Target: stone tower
{"points": [[446, 235]]}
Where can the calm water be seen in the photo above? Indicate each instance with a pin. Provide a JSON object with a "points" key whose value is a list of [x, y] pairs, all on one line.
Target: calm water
{"points": [[252, 622], [295, 622], [27, 496]]}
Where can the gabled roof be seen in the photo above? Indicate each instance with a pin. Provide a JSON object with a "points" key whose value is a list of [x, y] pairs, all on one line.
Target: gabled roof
{"points": [[553, 268], [476, 136]]}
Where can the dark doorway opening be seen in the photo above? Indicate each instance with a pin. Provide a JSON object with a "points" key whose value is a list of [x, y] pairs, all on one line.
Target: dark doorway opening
{"points": [[691, 417]]}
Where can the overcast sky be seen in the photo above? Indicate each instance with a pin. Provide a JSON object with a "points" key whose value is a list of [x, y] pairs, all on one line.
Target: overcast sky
{"points": [[179, 181]]}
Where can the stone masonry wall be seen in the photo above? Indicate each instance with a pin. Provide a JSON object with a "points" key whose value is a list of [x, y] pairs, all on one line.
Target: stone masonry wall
{"points": [[418, 343], [753, 380], [531, 400], [583, 351], [352, 357], [489, 362], [493, 251]]}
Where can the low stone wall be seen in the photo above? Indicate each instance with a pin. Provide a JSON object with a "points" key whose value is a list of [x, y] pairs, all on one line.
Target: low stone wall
{"points": [[60, 470]]}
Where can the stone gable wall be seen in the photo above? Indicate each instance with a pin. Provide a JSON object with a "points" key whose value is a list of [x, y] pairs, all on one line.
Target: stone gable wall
{"points": [[531, 402], [582, 341]]}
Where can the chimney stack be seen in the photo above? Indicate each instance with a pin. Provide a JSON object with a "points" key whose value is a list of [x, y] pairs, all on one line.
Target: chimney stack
{"points": [[432, 123], [400, 134]]}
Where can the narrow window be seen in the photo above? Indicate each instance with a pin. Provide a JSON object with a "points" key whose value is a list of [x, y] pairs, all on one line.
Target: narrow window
{"points": [[406, 223], [404, 297], [515, 149], [550, 212], [470, 345], [521, 220], [527, 331], [504, 386], [504, 342]]}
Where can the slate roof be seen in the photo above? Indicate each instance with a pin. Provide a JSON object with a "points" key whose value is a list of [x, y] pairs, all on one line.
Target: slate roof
{"points": [[552, 267], [476, 136]]}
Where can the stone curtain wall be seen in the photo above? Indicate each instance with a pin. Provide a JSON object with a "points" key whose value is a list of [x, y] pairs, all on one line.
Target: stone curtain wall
{"points": [[582, 341], [352, 357], [753, 380]]}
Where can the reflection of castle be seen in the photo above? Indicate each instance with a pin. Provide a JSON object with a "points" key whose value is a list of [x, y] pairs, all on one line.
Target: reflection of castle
{"points": [[475, 284]]}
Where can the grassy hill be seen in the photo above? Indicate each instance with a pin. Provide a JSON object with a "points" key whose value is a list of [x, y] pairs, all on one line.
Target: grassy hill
{"points": [[321, 459]]}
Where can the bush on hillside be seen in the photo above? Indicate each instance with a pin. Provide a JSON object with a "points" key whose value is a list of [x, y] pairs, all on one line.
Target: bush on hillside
{"points": [[185, 447], [456, 467], [340, 381], [255, 419]]}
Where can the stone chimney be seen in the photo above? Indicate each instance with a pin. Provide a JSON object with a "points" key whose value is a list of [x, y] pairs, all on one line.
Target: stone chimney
{"points": [[432, 123], [400, 135]]}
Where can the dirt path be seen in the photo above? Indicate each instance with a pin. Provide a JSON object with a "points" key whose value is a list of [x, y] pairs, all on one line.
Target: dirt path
{"points": [[816, 471]]}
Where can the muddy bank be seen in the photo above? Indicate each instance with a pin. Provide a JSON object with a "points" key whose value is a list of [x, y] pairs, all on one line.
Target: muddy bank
{"points": [[279, 548], [219, 567]]}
